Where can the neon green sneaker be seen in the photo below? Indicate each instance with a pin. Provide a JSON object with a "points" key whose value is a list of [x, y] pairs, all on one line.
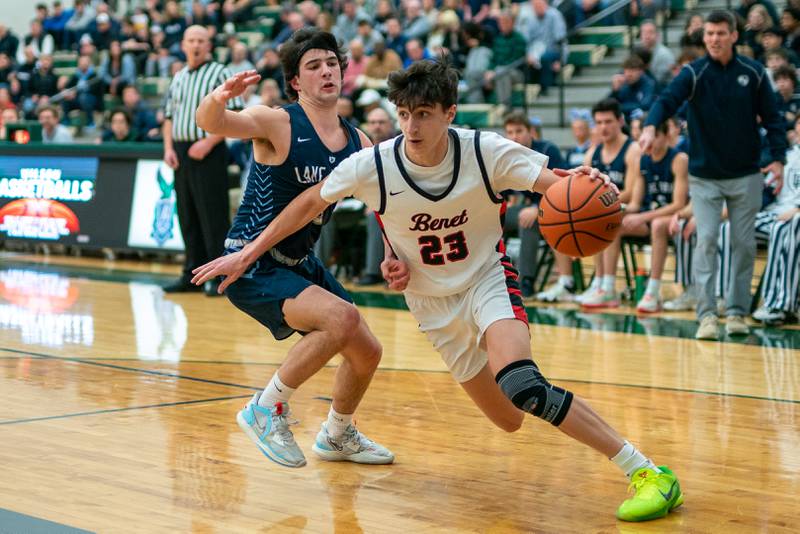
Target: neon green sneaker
{"points": [[655, 495]]}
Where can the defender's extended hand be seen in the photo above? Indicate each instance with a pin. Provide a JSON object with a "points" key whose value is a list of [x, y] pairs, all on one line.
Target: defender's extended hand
{"points": [[235, 86], [231, 266]]}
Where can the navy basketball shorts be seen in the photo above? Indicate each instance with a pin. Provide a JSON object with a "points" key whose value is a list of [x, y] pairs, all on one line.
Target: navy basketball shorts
{"points": [[261, 290]]}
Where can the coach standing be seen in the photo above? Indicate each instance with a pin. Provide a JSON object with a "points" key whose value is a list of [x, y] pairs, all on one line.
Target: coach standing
{"points": [[727, 96], [200, 160]]}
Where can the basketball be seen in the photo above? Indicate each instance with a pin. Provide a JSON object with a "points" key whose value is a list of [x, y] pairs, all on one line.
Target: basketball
{"points": [[579, 216]]}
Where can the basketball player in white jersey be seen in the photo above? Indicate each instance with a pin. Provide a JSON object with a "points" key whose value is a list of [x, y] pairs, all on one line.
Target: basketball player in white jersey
{"points": [[436, 191]]}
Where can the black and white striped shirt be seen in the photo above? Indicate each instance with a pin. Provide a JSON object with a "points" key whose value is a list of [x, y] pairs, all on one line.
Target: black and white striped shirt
{"points": [[185, 92]]}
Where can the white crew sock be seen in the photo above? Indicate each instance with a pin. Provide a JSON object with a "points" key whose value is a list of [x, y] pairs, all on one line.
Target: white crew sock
{"points": [[609, 281], [337, 423], [653, 287], [275, 392], [565, 280], [630, 460]]}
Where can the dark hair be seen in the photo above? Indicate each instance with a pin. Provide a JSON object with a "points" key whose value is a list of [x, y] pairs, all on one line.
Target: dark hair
{"points": [[776, 31], [124, 112], [425, 82], [51, 108], [688, 55], [793, 12], [517, 118], [633, 62], [785, 71], [663, 127], [301, 42], [607, 104], [723, 16], [777, 52]]}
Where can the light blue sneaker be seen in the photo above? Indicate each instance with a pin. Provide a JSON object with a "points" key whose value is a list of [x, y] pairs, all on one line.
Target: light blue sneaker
{"points": [[272, 435], [352, 446]]}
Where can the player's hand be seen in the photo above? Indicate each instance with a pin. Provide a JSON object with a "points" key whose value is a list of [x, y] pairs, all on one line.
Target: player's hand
{"points": [[689, 229], [674, 224], [171, 159], [646, 139], [235, 86], [231, 266], [200, 149], [632, 221], [788, 214], [592, 173], [528, 216], [776, 168], [396, 273]]}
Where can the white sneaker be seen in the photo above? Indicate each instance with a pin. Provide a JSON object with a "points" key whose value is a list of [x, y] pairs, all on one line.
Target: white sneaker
{"points": [[601, 299], [352, 446], [649, 304], [557, 292], [709, 328], [583, 296], [770, 317], [735, 326], [684, 302], [271, 434]]}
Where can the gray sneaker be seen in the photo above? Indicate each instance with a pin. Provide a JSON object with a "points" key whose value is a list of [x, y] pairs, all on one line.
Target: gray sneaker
{"points": [[268, 428], [735, 326], [684, 302], [352, 446], [709, 328]]}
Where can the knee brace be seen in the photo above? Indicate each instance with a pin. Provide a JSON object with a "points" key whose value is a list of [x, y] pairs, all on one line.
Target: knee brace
{"points": [[529, 391]]}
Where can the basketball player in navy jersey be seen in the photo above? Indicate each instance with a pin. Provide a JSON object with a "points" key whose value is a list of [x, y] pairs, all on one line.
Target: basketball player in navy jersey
{"points": [[618, 156], [437, 191], [666, 175], [287, 289]]}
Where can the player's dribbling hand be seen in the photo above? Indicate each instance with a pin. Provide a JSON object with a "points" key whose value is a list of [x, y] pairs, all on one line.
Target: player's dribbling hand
{"points": [[231, 266], [396, 273], [591, 172], [235, 86]]}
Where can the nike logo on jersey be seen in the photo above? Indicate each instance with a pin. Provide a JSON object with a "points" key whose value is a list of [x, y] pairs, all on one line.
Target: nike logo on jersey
{"points": [[303, 140], [393, 193]]}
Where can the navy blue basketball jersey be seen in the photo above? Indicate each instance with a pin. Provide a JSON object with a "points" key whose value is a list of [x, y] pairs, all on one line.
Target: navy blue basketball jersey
{"points": [[659, 180], [616, 169], [270, 188]]}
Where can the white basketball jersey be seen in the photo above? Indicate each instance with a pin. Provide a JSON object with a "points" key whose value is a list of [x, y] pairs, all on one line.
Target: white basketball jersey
{"points": [[448, 239]]}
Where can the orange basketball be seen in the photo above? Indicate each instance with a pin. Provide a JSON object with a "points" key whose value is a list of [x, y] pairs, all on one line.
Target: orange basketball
{"points": [[579, 216]]}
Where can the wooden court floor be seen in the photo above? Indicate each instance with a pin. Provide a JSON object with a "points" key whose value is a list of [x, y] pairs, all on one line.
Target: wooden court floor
{"points": [[118, 403]]}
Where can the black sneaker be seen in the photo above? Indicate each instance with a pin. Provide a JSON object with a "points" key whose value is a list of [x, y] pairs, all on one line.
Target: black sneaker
{"points": [[210, 288], [181, 285]]}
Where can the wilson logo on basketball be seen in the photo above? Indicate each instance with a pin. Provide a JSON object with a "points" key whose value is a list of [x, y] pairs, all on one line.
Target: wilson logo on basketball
{"points": [[608, 198]]}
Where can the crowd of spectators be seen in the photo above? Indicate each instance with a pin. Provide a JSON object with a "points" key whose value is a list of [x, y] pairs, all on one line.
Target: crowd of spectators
{"points": [[87, 61]]}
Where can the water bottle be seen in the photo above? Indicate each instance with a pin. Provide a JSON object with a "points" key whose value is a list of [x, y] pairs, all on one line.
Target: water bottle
{"points": [[641, 284]]}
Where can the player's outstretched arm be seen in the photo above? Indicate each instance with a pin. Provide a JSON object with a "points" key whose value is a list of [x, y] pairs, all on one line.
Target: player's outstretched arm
{"points": [[295, 216], [252, 123], [548, 177]]}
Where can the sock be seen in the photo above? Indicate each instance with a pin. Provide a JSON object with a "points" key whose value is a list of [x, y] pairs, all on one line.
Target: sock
{"points": [[609, 281], [596, 281], [630, 460], [337, 423], [565, 280], [276, 391], [653, 287]]}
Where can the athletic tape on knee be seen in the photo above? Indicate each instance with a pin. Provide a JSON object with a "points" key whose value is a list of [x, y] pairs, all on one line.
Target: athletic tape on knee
{"points": [[529, 391]]}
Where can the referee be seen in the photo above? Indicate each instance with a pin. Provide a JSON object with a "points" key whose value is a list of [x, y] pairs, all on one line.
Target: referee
{"points": [[200, 160]]}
